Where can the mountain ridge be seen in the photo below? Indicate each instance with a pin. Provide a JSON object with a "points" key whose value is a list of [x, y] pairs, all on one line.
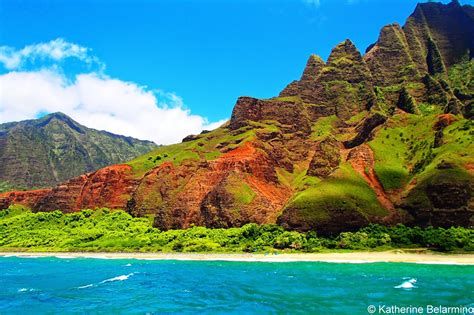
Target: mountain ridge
{"points": [[38, 149]]}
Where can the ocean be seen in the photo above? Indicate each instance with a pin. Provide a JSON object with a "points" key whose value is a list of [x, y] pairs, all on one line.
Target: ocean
{"points": [[113, 286]]}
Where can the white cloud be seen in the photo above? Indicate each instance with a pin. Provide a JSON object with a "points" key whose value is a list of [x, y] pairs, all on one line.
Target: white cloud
{"points": [[96, 100], [55, 50]]}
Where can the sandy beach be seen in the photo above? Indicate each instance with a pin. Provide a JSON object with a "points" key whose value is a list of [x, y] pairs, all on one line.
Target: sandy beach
{"points": [[352, 257]]}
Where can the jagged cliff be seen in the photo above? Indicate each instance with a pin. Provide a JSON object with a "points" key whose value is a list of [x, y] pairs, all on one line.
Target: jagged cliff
{"points": [[383, 137]]}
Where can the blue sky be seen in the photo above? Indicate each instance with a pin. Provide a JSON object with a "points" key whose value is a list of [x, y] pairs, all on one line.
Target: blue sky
{"points": [[206, 52]]}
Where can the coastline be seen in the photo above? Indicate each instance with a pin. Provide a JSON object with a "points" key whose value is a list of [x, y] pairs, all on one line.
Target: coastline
{"points": [[352, 257]]}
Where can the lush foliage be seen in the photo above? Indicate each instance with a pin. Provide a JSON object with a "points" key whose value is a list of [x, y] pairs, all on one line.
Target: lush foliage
{"points": [[105, 230]]}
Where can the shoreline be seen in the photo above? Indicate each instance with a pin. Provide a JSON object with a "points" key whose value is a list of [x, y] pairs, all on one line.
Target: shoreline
{"points": [[352, 257]]}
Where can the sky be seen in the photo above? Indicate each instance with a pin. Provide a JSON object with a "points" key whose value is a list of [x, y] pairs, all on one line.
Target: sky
{"points": [[162, 69]]}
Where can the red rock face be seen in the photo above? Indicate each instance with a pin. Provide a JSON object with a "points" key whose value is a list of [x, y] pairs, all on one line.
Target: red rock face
{"points": [[27, 198], [195, 192], [108, 187], [200, 193]]}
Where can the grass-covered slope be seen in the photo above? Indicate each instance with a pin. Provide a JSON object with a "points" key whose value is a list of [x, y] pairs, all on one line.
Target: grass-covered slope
{"points": [[345, 194]]}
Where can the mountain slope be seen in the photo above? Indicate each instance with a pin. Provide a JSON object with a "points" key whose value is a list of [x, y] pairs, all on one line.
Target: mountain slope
{"points": [[385, 137], [52, 149]]}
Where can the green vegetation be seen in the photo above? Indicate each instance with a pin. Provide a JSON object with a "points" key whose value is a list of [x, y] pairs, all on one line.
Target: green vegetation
{"points": [[389, 151], [357, 118], [207, 146], [323, 127], [458, 141], [429, 109], [298, 178], [344, 190], [241, 191], [404, 148], [105, 230], [203, 147], [175, 153], [295, 99], [461, 76]]}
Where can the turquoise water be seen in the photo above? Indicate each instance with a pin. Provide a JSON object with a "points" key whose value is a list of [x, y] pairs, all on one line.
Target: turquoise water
{"points": [[53, 285]]}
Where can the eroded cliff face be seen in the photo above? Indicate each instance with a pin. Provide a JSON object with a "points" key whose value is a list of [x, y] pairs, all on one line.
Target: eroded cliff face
{"points": [[384, 138], [107, 187]]}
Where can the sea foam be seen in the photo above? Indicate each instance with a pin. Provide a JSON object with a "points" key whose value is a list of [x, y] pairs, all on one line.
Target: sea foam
{"points": [[26, 290], [118, 278], [408, 284]]}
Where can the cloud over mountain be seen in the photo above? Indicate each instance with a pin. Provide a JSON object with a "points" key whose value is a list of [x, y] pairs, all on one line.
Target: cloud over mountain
{"points": [[34, 82]]}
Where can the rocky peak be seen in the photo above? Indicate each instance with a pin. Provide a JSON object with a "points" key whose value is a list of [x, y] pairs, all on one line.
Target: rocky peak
{"points": [[314, 65], [345, 63], [389, 59], [392, 32], [62, 119], [450, 26], [346, 49]]}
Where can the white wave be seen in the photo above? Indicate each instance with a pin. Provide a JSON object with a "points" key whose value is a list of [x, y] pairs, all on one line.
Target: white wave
{"points": [[408, 284], [26, 290], [118, 278], [128, 265]]}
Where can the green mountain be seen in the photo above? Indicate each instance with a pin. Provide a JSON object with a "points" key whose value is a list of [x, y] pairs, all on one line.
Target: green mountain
{"points": [[385, 137], [46, 151]]}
